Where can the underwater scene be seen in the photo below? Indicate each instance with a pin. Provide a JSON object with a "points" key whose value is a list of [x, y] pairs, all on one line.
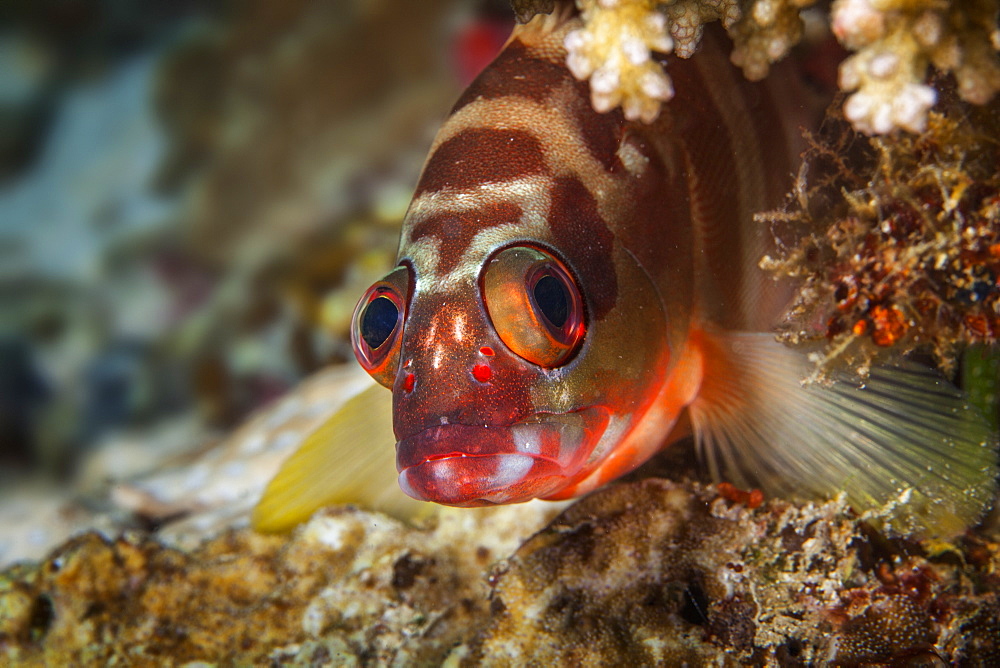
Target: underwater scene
{"points": [[500, 332]]}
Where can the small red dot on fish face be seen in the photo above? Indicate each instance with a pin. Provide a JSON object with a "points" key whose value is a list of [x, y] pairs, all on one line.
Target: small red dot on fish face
{"points": [[408, 382], [482, 372], [486, 350]]}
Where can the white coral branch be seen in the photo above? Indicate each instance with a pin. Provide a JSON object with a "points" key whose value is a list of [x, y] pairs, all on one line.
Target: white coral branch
{"points": [[613, 50], [894, 44], [895, 41], [765, 35]]}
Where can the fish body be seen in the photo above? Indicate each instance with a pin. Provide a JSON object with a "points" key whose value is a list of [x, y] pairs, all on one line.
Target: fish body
{"points": [[575, 290], [640, 218]]}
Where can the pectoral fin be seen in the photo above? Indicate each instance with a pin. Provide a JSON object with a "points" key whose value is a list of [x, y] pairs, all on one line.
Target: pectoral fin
{"points": [[906, 443], [350, 458]]}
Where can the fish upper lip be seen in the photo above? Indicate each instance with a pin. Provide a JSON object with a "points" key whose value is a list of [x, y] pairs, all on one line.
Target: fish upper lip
{"points": [[437, 443], [457, 440]]}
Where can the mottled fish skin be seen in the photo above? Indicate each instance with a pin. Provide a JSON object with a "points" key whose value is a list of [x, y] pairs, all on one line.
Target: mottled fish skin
{"points": [[642, 216], [574, 291]]}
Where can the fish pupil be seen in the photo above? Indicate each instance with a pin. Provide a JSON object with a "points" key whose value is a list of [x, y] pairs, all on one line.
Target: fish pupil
{"points": [[552, 300], [379, 321]]}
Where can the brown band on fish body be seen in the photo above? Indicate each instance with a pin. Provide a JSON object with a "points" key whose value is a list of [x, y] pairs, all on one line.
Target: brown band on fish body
{"points": [[579, 229], [516, 72], [455, 231], [481, 155]]}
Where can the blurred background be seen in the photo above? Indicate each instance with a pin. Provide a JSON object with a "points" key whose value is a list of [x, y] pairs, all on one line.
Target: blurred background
{"points": [[193, 194]]}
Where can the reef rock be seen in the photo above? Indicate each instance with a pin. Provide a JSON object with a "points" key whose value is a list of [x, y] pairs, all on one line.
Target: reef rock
{"points": [[646, 572], [656, 573], [349, 587]]}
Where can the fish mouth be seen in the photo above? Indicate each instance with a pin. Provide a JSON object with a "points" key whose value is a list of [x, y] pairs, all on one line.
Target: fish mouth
{"points": [[480, 465]]}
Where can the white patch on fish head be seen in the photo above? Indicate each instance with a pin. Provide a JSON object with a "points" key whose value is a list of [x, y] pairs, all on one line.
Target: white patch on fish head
{"points": [[530, 195], [512, 469], [632, 158]]}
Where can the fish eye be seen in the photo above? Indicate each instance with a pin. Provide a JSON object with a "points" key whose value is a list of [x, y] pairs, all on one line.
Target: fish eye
{"points": [[378, 321], [377, 326], [534, 304], [552, 299]]}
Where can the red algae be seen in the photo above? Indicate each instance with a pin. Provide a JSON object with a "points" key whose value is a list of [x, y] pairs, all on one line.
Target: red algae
{"points": [[894, 240]]}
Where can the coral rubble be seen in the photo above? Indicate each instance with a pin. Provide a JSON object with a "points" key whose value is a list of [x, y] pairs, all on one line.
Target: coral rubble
{"points": [[189, 484], [650, 572]]}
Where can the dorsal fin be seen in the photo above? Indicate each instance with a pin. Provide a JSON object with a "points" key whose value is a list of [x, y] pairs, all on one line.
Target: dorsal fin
{"points": [[906, 443]]}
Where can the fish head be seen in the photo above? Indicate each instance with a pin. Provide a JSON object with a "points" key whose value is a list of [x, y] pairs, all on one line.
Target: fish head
{"points": [[518, 361]]}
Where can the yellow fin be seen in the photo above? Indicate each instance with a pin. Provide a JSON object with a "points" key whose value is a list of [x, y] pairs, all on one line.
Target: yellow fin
{"points": [[906, 446], [350, 458]]}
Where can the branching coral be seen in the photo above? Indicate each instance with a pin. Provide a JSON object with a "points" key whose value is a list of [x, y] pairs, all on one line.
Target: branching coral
{"points": [[613, 51], [687, 18], [898, 242], [895, 41], [614, 47], [765, 35]]}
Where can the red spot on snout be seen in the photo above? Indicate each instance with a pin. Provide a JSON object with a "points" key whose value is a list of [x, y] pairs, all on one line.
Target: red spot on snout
{"points": [[482, 372], [486, 350], [409, 382]]}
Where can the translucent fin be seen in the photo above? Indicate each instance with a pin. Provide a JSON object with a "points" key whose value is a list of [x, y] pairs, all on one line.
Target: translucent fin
{"points": [[906, 444], [350, 458]]}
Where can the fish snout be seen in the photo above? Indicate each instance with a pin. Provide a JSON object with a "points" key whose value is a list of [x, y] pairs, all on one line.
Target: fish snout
{"points": [[471, 385]]}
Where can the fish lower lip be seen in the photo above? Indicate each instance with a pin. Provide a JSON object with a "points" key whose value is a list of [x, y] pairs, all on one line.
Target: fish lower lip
{"points": [[481, 480], [471, 465]]}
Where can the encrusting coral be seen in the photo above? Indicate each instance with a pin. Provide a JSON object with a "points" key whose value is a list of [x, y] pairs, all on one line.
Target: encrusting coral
{"points": [[649, 574], [645, 573], [896, 243], [894, 43]]}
